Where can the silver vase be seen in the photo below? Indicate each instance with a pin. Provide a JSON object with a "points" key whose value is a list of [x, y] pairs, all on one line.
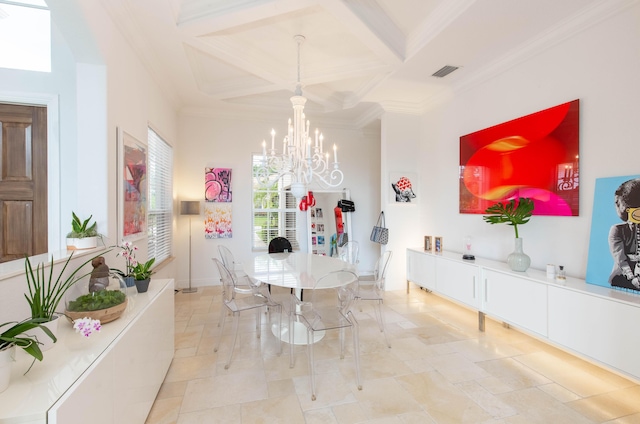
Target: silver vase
{"points": [[518, 260]]}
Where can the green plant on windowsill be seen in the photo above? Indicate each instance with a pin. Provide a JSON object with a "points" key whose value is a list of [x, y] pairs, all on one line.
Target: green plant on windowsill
{"points": [[82, 229], [514, 212]]}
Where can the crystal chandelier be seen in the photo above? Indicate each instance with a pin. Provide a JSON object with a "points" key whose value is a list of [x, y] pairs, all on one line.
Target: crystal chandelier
{"points": [[300, 157]]}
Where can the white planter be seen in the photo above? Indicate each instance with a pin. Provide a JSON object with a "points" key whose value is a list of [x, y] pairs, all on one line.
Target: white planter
{"points": [[45, 341], [6, 358], [82, 243]]}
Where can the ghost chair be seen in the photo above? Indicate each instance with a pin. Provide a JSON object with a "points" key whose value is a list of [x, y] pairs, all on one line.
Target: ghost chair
{"points": [[238, 302], [244, 283], [349, 252], [373, 290], [329, 309]]}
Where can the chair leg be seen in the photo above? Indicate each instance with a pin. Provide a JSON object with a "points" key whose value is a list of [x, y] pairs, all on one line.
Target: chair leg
{"points": [[258, 321], [356, 352], [223, 317], [236, 324], [223, 313], [380, 318], [312, 373]]}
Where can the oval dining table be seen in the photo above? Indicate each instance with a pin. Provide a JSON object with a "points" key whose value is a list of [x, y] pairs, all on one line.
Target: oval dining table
{"points": [[298, 271]]}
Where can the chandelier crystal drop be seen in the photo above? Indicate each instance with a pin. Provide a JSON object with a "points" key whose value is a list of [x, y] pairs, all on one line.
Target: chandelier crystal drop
{"points": [[303, 159]]}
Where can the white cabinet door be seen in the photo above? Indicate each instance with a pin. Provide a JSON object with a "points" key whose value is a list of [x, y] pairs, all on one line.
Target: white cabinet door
{"points": [[599, 328], [421, 269], [459, 281], [515, 300]]}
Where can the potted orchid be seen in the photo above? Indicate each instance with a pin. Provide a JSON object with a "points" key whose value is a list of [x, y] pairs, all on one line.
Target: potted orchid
{"points": [[128, 252]]}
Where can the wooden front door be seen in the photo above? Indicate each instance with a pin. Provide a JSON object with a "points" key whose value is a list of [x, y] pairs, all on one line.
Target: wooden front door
{"points": [[23, 181]]}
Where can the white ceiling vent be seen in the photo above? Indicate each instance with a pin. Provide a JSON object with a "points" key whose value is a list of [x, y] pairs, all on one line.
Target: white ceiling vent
{"points": [[444, 71]]}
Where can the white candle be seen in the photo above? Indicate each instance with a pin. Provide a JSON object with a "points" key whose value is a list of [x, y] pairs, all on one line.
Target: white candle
{"points": [[284, 145], [273, 139], [335, 154], [316, 137], [264, 148], [308, 147], [321, 138]]}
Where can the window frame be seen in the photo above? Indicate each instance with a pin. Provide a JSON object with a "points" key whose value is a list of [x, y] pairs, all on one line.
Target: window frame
{"points": [[285, 211], [160, 197]]}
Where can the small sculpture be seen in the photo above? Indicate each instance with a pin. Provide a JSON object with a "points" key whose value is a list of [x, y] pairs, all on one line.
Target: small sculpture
{"points": [[99, 279]]}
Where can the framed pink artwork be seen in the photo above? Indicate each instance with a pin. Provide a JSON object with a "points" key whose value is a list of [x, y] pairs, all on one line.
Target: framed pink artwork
{"points": [[535, 156], [217, 184], [132, 182]]}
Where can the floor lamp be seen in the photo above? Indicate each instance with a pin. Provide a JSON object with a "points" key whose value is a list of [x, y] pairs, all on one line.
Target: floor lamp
{"points": [[190, 208]]}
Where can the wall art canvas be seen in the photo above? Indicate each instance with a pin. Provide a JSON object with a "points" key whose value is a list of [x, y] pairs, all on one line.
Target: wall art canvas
{"points": [[613, 242], [132, 181], [403, 187], [535, 156], [217, 220], [217, 184]]}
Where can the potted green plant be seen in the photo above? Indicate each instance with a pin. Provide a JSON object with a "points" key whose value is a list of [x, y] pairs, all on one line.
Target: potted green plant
{"points": [[142, 274], [104, 305], [83, 235], [514, 212], [13, 334], [46, 290]]}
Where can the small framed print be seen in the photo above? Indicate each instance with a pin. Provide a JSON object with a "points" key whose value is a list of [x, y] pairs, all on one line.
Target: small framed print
{"points": [[438, 244], [427, 243]]}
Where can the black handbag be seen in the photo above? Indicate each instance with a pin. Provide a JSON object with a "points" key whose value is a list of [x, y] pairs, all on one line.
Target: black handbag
{"points": [[380, 234], [346, 205]]}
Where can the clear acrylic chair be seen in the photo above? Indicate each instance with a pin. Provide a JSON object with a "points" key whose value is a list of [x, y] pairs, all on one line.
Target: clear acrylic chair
{"points": [[329, 309], [237, 302], [374, 289], [349, 252], [244, 284]]}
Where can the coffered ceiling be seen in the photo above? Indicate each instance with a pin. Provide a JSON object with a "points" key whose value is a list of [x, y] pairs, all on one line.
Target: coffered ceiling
{"points": [[359, 57]]}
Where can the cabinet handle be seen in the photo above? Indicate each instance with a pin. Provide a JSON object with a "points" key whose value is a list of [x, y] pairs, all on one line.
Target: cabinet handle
{"points": [[486, 291], [474, 286]]}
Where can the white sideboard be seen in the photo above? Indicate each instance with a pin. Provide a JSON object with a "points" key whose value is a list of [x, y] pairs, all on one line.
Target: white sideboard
{"points": [[111, 377], [588, 320]]}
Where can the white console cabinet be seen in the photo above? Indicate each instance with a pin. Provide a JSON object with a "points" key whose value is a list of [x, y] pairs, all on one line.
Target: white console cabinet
{"points": [[594, 322], [459, 281], [111, 377], [421, 270], [517, 300]]}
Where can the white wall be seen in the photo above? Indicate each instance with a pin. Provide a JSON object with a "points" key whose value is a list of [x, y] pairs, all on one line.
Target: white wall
{"points": [[600, 66], [100, 84], [224, 140]]}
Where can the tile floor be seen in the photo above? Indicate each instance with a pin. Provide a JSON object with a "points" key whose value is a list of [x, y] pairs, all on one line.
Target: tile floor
{"points": [[440, 369]]}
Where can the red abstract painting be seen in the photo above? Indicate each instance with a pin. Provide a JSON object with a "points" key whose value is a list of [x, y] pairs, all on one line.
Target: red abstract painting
{"points": [[535, 156]]}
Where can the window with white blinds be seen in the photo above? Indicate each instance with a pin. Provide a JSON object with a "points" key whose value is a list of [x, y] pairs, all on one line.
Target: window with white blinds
{"points": [[273, 211], [160, 174]]}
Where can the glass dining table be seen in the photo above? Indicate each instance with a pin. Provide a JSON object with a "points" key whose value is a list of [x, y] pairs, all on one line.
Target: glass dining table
{"points": [[294, 270]]}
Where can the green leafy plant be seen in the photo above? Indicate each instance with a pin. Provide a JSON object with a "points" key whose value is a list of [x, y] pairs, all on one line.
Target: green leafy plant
{"points": [[95, 301], [515, 212], [82, 229], [142, 271], [14, 336], [46, 290]]}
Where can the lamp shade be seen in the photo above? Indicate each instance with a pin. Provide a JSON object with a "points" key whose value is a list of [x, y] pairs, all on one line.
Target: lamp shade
{"points": [[189, 207]]}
